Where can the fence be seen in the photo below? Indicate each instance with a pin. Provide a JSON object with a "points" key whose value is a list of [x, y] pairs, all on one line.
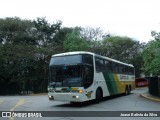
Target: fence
{"points": [[154, 85]]}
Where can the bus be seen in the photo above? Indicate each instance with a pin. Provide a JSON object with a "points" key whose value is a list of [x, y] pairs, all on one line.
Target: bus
{"points": [[82, 76], [141, 82]]}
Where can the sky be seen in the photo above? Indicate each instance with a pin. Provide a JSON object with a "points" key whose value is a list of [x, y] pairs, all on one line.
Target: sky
{"points": [[132, 18]]}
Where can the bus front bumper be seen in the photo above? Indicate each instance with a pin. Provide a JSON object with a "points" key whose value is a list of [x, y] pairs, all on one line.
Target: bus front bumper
{"points": [[73, 97]]}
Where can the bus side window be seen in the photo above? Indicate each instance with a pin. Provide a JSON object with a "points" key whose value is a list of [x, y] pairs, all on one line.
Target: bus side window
{"points": [[106, 65], [127, 70], [99, 65], [131, 71], [115, 67], [120, 69], [123, 69], [110, 66]]}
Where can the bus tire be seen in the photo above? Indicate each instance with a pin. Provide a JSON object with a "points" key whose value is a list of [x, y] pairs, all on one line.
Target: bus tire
{"points": [[127, 91], [98, 96], [72, 102], [130, 88]]}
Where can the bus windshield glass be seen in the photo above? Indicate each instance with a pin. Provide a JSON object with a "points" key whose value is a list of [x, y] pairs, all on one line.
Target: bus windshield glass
{"points": [[65, 76], [71, 70], [62, 60]]}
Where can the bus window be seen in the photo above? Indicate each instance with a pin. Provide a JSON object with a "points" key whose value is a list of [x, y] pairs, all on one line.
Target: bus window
{"points": [[123, 69], [106, 65], [99, 64], [126, 70], [110, 66], [115, 67], [87, 76], [88, 59], [131, 71], [61, 60], [120, 69]]}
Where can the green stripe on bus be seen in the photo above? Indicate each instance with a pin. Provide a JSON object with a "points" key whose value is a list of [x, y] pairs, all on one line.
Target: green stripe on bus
{"points": [[110, 82]]}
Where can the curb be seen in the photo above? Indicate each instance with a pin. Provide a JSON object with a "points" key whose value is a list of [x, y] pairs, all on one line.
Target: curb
{"points": [[140, 88], [38, 94], [150, 98], [33, 94]]}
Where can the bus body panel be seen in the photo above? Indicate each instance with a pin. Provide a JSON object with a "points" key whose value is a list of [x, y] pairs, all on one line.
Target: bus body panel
{"points": [[99, 81]]}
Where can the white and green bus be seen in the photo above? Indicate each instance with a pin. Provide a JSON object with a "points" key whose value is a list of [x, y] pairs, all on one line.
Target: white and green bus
{"points": [[82, 76]]}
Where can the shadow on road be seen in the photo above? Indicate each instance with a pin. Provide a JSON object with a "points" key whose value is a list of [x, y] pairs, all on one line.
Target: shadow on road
{"points": [[88, 103]]}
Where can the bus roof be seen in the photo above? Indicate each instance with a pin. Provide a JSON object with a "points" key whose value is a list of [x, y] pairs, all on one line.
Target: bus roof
{"points": [[84, 52], [72, 53]]}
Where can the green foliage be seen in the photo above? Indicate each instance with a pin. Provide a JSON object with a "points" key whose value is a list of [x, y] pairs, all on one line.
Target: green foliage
{"points": [[74, 42], [16, 31], [16, 65], [46, 31], [25, 51], [151, 57], [155, 35], [60, 36], [121, 48]]}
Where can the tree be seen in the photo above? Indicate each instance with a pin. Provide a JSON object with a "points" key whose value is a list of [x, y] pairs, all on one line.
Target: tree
{"points": [[25, 51], [151, 57], [93, 34], [60, 36], [46, 31], [155, 35], [16, 52], [123, 49], [16, 31], [120, 48], [74, 42]]}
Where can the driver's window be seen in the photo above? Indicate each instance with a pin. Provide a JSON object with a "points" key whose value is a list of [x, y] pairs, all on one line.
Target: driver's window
{"points": [[88, 76]]}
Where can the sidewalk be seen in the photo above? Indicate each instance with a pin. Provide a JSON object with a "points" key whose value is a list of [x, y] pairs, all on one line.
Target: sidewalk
{"points": [[150, 97]]}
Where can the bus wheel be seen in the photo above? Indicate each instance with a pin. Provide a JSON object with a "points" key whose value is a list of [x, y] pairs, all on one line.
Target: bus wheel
{"points": [[98, 96], [127, 91], [130, 88]]}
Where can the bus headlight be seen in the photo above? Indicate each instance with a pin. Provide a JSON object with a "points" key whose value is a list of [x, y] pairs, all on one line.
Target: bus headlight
{"points": [[51, 97], [75, 96]]}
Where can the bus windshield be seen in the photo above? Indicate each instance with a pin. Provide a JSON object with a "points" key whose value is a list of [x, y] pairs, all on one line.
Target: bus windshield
{"points": [[71, 71], [65, 76]]}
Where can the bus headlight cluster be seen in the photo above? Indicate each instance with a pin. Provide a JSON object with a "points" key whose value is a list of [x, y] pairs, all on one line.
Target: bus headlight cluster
{"points": [[75, 96], [51, 97]]}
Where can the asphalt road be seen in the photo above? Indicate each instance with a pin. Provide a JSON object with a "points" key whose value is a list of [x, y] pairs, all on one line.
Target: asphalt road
{"points": [[132, 102]]}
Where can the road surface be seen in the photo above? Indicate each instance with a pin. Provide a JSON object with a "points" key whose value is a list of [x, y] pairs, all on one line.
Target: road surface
{"points": [[132, 102]]}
